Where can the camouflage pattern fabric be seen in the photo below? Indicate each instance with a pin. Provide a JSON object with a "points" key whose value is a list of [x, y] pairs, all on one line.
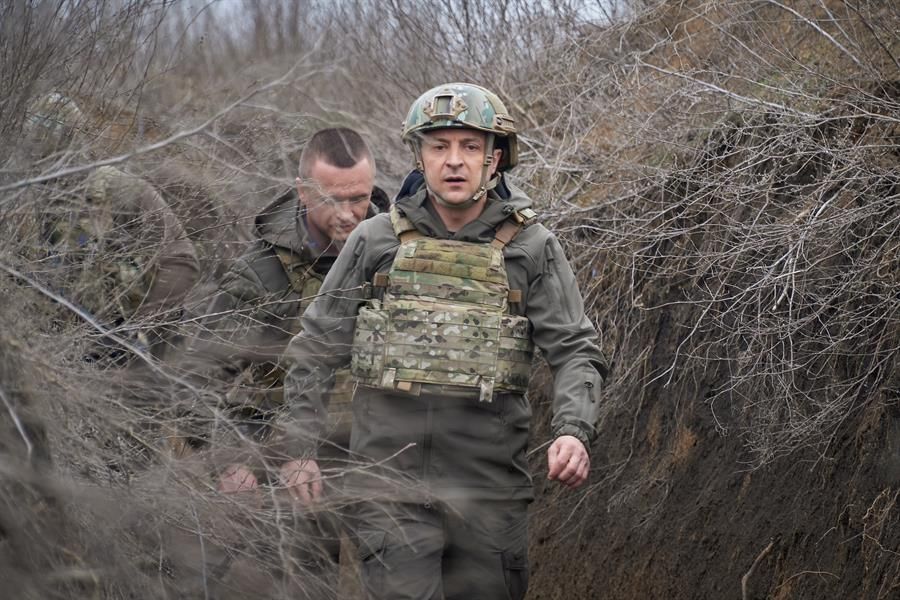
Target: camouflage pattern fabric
{"points": [[467, 106], [123, 252], [444, 320], [102, 277], [110, 244]]}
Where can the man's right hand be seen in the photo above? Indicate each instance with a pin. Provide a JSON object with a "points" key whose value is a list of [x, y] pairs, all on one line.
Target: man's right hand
{"points": [[303, 480], [237, 478]]}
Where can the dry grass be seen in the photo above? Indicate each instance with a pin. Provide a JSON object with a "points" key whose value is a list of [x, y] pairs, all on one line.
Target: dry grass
{"points": [[726, 170]]}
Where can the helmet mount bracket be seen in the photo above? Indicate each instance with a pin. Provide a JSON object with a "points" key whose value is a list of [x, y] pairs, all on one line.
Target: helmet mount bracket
{"points": [[445, 106]]}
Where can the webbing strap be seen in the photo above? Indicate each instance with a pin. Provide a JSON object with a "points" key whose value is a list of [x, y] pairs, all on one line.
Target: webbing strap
{"points": [[403, 227], [506, 233], [297, 277], [406, 231]]}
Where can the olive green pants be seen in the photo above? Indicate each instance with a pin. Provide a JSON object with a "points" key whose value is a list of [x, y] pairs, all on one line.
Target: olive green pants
{"points": [[476, 550]]}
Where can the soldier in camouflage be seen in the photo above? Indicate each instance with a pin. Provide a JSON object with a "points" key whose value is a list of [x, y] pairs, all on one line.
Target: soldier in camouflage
{"points": [[118, 250], [138, 263], [437, 307]]}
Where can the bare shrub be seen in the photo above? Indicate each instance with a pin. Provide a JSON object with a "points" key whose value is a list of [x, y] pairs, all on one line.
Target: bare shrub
{"points": [[752, 204], [724, 174]]}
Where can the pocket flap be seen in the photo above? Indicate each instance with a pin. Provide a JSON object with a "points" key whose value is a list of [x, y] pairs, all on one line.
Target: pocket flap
{"points": [[371, 543], [514, 561]]}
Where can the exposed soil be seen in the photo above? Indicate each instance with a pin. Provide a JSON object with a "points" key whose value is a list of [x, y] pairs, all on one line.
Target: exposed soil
{"points": [[694, 521]]}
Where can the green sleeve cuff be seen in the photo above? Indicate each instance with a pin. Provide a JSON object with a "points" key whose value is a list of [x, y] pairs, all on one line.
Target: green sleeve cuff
{"points": [[575, 431]]}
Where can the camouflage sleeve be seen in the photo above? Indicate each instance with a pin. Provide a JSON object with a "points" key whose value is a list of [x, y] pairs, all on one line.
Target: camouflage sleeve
{"points": [[324, 343], [567, 339], [176, 267], [151, 235]]}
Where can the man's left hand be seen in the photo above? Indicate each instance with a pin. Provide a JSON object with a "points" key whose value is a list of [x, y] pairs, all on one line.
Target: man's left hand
{"points": [[568, 461]]}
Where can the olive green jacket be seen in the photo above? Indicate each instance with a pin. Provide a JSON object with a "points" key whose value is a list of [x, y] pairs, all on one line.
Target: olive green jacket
{"points": [[256, 309], [450, 445]]}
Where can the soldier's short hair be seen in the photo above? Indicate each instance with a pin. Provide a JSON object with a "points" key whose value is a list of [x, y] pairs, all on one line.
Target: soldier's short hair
{"points": [[338, 146]]}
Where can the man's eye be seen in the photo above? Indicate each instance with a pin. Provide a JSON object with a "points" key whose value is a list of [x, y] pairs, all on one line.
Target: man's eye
{"points": [[330, 201]]}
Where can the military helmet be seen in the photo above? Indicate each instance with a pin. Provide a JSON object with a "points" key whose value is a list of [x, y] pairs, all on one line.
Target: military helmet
{"points": [[52, 122], [467, 106]]}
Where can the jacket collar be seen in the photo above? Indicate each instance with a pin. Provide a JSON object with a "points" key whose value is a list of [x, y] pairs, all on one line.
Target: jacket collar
{"points": [[502, 201]]}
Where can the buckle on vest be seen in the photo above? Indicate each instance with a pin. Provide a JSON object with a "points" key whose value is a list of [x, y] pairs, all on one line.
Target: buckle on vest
{"points": [[487, 389], [387, 378], [389, 382]]}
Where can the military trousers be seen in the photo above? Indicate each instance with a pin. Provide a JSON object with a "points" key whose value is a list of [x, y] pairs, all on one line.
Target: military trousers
{"points": [[433, 551]]}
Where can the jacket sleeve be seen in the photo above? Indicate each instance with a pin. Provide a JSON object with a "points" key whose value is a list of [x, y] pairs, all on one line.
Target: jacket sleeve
{"points": [[177, 269], [154, 230], [567, 339], [214, 353], [239, 326], [323, 344]]}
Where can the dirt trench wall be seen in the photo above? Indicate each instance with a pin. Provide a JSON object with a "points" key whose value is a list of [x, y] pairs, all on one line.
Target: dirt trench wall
{"points": [[751, 444], [691, 519], [675, 510]]}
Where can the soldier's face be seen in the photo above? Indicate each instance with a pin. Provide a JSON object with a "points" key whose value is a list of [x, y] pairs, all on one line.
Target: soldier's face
{"points": [[336, 199], [452, 160]]}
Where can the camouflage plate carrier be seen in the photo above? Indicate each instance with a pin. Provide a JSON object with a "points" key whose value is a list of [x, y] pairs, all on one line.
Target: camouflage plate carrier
{"points": [[443, 319]]}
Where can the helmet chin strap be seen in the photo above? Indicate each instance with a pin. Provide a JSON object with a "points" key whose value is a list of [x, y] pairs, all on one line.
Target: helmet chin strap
{"points": [[485, 185]]}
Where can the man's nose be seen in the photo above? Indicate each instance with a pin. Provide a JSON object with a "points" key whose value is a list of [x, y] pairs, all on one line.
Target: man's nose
{"points": [[344, 210], [454, 156]]}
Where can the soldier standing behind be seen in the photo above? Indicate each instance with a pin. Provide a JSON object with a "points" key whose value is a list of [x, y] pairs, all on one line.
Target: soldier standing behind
{"points": [[464, 283], [115, 247], [257, 309]]}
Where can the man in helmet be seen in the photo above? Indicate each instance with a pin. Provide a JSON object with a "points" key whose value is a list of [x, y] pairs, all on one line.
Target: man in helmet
{"points": [[437, 306]]}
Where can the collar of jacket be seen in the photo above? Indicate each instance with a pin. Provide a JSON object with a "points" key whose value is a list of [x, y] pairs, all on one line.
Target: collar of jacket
{"points": [[281, 223], [501, 203]]}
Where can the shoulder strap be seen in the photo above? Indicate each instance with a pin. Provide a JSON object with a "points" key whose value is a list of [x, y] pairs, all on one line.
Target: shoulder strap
{"points": [[512, 226], [289, 262], [406, 231], [403, 227]]}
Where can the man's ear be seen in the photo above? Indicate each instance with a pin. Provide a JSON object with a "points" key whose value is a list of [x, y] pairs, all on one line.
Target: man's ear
{"points": [[498, 153], [301, 193]]}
